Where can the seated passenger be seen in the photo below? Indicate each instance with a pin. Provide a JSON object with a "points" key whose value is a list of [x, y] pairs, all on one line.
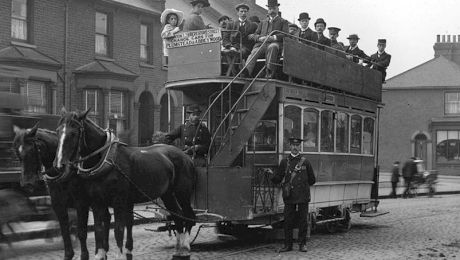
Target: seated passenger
{"points": [[171, 19], [255, 19], [334, 34], [223, 21], [293, 28], [320, 26], [195, 21], [380, 60], [355, 54], [305, 32], [274, 42]]}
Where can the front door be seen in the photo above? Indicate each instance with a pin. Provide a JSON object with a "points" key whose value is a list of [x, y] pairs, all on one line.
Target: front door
{"points": [[146, 118]]}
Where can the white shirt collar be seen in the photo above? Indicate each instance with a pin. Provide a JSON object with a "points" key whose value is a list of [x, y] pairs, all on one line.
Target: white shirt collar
{"points": [[294, 156], [242, 21]]}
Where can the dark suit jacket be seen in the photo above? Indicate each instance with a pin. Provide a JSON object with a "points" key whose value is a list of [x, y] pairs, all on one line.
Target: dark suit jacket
{"points": [[265, 28], [307, 35], [380, 63], [321, 39], [233, 38], [357, 52]]}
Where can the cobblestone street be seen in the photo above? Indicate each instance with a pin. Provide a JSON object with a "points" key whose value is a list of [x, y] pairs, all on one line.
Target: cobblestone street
{"points": [[419, 228]]}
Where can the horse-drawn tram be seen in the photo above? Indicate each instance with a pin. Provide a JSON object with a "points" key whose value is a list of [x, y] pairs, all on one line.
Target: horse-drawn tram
{"points": [[328, 101]]}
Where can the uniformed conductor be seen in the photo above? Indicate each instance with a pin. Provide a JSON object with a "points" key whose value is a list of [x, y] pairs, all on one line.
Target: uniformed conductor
{"points": [[197, 148], [295, 172]]}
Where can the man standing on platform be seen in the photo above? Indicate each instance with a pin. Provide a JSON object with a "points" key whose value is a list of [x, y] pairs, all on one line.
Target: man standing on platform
{"points": [[355, 54], [334, 34], [296, 176], [380, 60], [304, 32]]}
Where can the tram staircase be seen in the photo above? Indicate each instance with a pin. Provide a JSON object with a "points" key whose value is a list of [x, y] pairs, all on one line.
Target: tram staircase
{"points": [[246, 112]]}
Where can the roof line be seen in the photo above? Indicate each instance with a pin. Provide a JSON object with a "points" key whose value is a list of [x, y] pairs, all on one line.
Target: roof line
{"points": [[404, 72]]}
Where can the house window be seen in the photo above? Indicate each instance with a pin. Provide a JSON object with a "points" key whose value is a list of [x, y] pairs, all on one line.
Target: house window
{"points": [[447, 146], [19, 20], [145, 53], [35, 93], [91, 97], [102, 34], [452, 103], [117, 111]]}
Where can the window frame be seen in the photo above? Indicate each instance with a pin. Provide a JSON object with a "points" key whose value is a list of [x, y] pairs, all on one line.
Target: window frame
{"points": [[107, 35], [123, 116], [446, 102], [27, 21], [148, 44], [45, 97]]}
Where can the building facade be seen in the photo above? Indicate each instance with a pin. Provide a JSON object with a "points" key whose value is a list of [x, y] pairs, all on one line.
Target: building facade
{"points": [[81, 54], [421, 113]]}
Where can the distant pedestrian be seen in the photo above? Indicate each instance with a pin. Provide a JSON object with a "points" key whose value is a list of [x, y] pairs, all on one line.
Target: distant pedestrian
{"points": [[394, 179], [408, 171]]}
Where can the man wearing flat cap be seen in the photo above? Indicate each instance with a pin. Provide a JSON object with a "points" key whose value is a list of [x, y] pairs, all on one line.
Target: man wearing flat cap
{"points": [[238, 40], [355, 54], [304, 32], [380, 60], [266, 43], [192, 141], [223, 21], [296, 176], [318, 37], [333, 35], [195, 21]]}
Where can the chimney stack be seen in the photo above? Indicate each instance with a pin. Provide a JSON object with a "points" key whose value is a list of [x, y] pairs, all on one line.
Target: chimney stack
{"points": [[448, 46]]}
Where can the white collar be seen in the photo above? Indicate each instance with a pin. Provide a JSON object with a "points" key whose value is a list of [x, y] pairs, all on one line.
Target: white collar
{"points": [[352, 48], [242, 21], [294, 156], [380, 53]]}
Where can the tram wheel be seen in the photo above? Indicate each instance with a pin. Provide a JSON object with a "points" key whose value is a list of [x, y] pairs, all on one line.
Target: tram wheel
{"points": [[346, 223], [331, 227]]}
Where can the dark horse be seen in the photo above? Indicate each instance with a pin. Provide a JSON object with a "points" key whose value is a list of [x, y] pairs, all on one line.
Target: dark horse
{"points": [[122, 175], [36, 149]]}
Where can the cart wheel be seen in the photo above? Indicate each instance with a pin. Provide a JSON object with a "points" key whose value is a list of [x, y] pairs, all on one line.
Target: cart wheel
{"points": [[346, 223], [331, 227]]}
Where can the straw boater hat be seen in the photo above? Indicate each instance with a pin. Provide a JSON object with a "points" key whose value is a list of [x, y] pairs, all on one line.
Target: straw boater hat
{"points": [[166, 12]]}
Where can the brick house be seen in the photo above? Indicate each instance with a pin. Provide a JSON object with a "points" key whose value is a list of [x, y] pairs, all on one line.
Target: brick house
{"points": [[421, 115], [102, 54]]}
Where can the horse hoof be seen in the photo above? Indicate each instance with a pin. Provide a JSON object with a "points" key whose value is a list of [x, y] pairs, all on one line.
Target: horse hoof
{"points": [[129, 256], [180, 257], [68, 257], [84, 256]]}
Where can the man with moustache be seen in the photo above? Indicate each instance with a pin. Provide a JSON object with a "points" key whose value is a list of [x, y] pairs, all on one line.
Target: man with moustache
{"points": [[355, 54], [318, 37], [333, 35]]}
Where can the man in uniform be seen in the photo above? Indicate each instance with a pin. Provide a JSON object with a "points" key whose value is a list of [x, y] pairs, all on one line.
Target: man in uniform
{"points": [[380, 60], [296, 174], [355, 53], [193, 143], [334, 34]]}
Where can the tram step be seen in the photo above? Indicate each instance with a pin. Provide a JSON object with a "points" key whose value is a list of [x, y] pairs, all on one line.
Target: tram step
{"points": [[373, 214], [242, 110], [252, 93]]}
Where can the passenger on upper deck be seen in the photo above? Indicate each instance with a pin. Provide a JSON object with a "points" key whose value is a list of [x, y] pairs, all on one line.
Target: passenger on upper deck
{"points": [[293, 28], [274, 42], [255, 19], [195, 21], [320, 26], [241, 29], [305, 32], [356, 54], [223, 21], [380, 60], [171, 19], [334, 34]]}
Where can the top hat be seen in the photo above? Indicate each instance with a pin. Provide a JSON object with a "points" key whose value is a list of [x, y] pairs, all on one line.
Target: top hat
{"points": [[382, 41], [303, 16], [204, 2], [194, 109], [223, 17], [295, 140], [166, 12], [272, 3], [320, 20], [353, 36], [334, 29], [242, 5]]}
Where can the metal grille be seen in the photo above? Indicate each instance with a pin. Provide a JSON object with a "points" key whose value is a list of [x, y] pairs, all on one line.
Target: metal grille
{"points": [[263, 189]]}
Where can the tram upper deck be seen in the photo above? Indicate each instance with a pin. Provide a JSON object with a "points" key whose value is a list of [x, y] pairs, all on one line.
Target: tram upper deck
{"points": [[195, 62]]}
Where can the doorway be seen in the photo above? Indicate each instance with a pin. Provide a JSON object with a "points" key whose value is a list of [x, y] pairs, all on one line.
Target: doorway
{"points": [[146, 118]]}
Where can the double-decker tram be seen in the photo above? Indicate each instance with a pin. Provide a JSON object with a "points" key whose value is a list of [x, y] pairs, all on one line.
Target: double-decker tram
{"points": [[317, 95]]}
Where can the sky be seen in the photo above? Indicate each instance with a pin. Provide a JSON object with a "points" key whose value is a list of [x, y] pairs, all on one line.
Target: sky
{"points": [[410, 26]]}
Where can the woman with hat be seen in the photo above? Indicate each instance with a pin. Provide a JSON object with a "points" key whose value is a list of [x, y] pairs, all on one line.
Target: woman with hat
{"points": [[195, 21], [171, 19]]}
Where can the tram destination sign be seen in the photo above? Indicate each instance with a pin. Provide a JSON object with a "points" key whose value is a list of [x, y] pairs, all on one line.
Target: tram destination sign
{"points": [[194, 38]]}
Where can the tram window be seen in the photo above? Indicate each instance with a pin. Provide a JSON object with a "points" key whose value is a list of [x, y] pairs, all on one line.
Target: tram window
{"points": [[310, 130], [264, 137], [355, 142], [327, 131], [368, 136], [292, 124], [342, 132]]}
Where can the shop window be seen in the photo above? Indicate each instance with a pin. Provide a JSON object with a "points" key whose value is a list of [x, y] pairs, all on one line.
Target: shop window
{"points": [[342, 132], [264, 137], [368, 136], [355, 135], [447, 146], [327, 131], [36, 96], [292, 124], [310, 130]]}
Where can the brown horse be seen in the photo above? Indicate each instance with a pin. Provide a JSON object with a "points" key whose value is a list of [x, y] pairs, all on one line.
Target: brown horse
{"points": [[36, 149], [122, 175]]}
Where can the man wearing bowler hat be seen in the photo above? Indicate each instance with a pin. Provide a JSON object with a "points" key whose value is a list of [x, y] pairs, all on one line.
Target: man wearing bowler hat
{"points": [[333, 35], [296, 176], [355, 54], [380, 60], [304, 32], [318, 37], [267, 43], [195, 21], [238, 40], [192, 141]]}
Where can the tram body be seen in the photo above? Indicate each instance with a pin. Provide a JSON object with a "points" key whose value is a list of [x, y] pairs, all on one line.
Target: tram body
{"points": [[330, 102]]}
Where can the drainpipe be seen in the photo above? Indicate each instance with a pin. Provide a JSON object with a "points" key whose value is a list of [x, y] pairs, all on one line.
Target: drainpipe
{"points": [[66, 36]]}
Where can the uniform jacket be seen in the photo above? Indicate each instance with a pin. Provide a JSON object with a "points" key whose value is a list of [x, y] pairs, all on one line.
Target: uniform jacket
{"points": [[233, 38], [356, 52], [304, 178], [266, 27], [337, 45], [186, 132], [395, 175], [194, 22]]}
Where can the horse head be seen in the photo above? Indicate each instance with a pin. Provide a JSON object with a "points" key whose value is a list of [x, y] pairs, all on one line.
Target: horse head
{"points": [[77, 137]]}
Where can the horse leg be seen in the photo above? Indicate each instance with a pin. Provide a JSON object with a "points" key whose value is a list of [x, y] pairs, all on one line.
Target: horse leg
{"points": [[129, 232], [183, 198], [82, 229], [63, 218], [171, 204], [107, 218], [100, 231], [119, 213]]}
